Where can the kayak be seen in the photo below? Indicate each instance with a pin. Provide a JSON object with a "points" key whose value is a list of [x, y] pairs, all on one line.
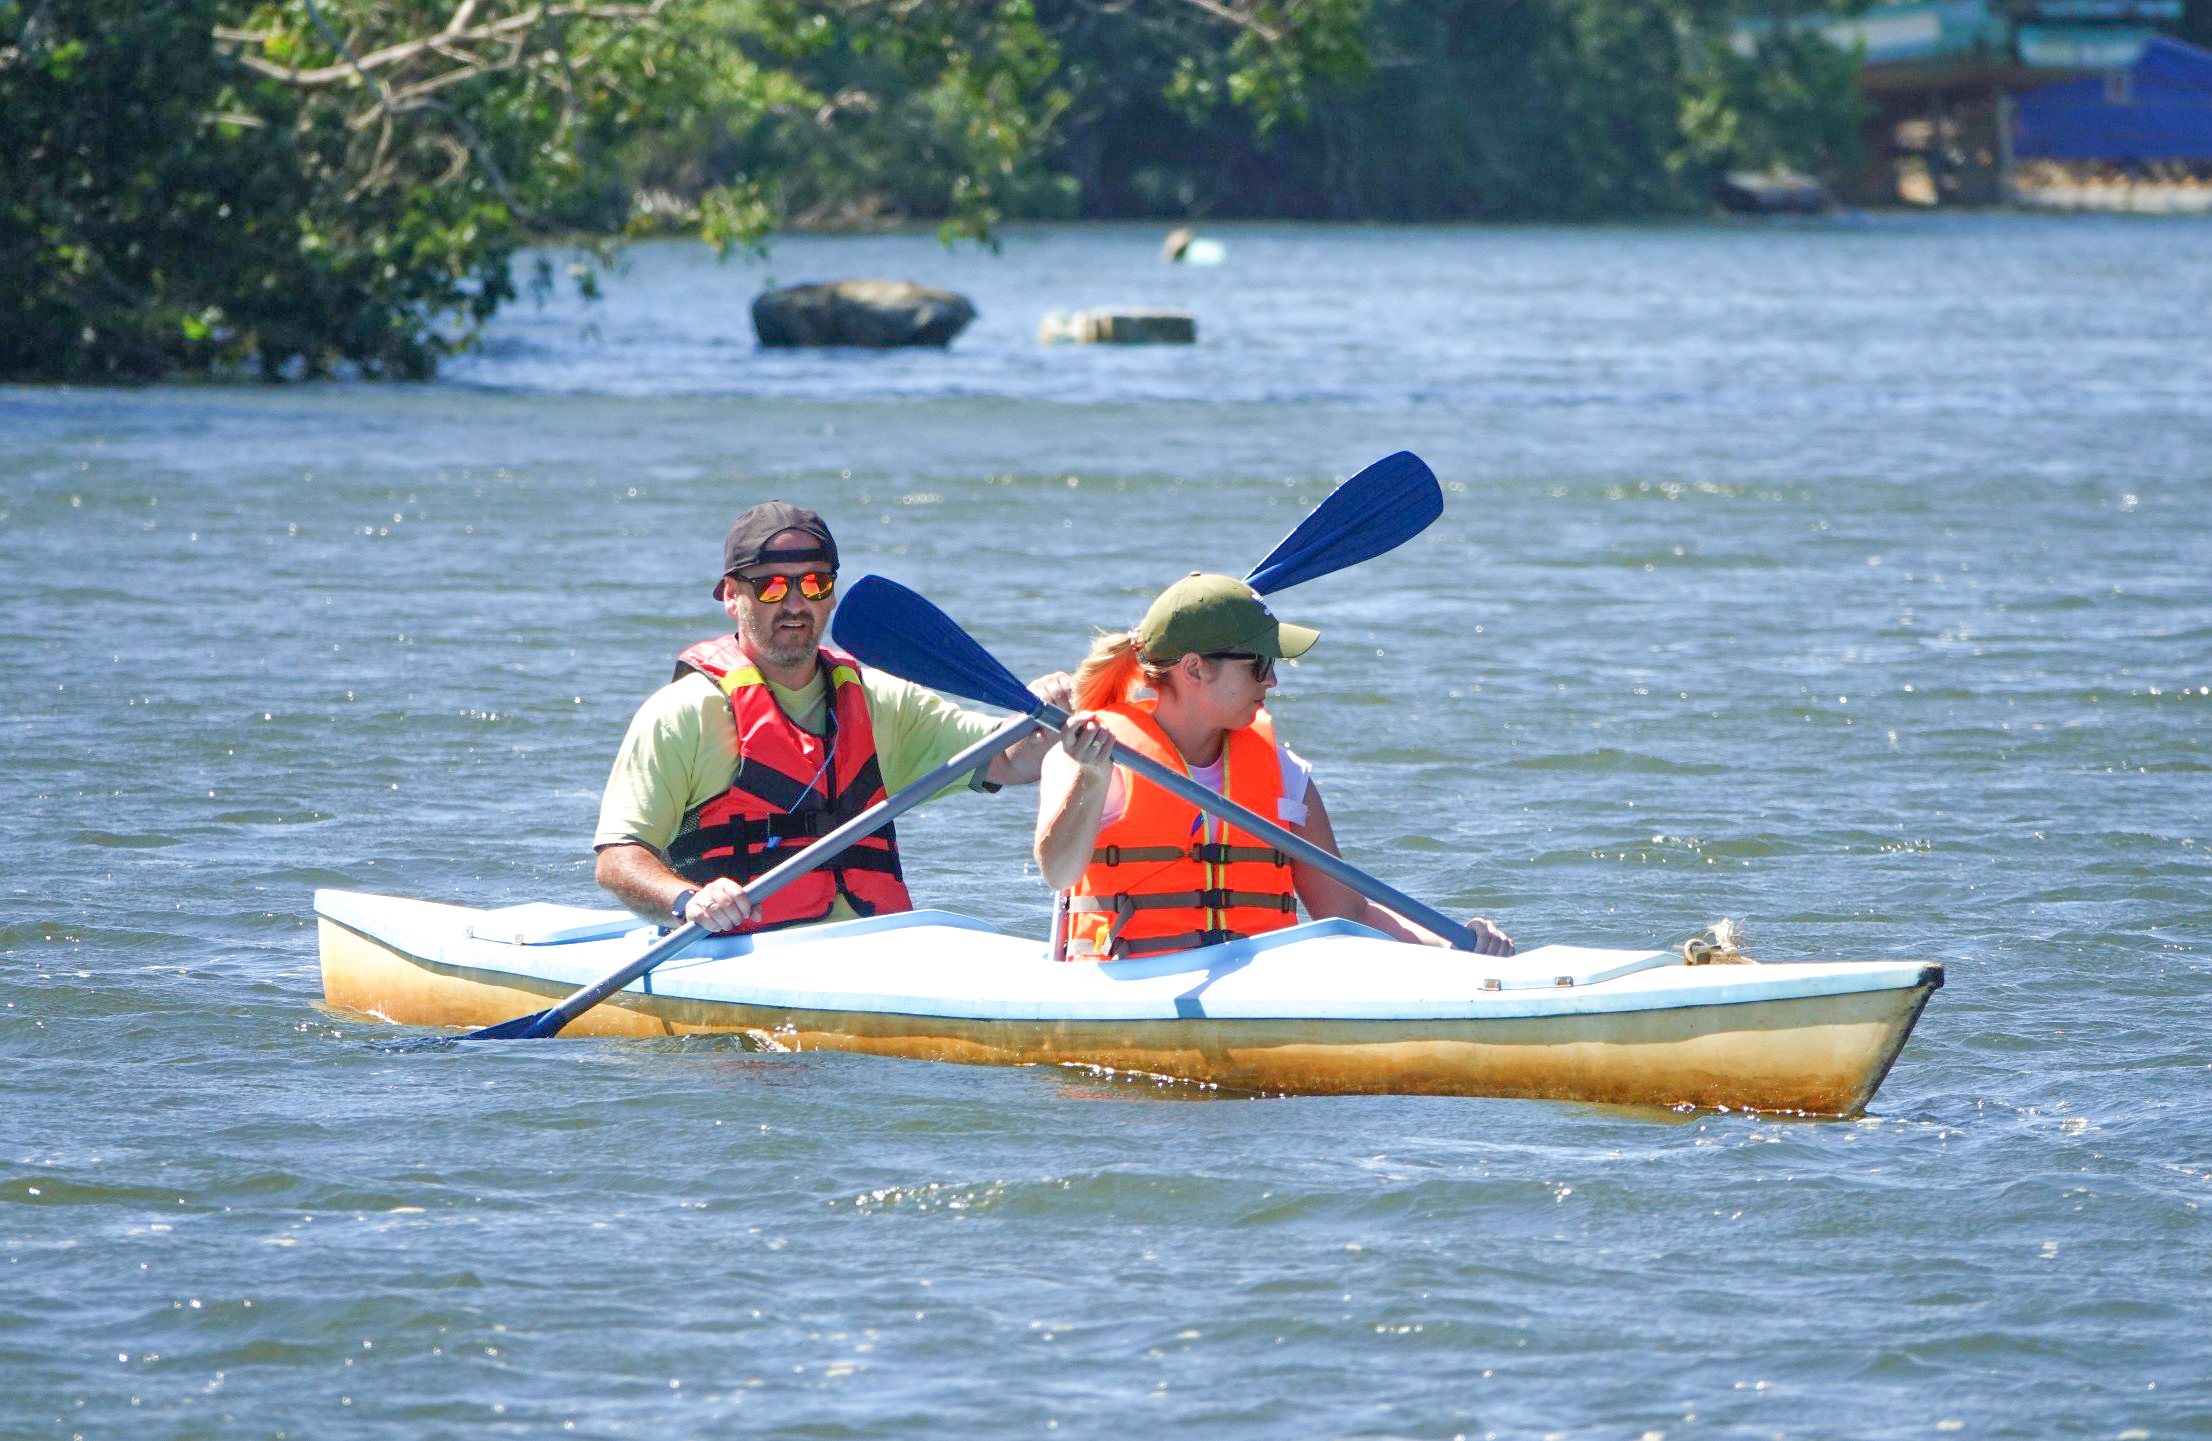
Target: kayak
{"points": [[1328, 1007]]}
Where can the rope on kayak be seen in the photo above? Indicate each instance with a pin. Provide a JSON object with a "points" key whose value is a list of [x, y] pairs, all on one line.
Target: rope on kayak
{"points": [[1719, 944]]}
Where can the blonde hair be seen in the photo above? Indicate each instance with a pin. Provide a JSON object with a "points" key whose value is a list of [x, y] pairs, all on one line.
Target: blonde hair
{"points": [[1114, 669]]}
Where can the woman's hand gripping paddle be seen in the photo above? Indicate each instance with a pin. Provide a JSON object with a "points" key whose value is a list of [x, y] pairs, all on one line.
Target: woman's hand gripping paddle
{"points": [[891, 628], [549, 1022]]}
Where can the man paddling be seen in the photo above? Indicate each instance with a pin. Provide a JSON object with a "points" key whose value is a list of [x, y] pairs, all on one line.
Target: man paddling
{"points": [[766, 739]]}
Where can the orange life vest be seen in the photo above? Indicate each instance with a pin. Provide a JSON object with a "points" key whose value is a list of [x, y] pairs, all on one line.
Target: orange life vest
{"points": [[1162, 878], [792, 786]]}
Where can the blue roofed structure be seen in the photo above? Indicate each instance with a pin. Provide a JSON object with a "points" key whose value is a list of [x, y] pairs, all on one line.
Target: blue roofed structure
{"points": [[1959, 90], [2157, 108], [1926, 43]]}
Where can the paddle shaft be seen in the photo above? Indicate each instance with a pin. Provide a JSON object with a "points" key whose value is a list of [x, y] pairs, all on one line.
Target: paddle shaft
{"points": [[1289, 842], [823, 850]]}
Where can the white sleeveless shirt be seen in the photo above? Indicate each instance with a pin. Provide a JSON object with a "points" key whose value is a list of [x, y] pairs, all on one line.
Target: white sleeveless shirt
{"points": [[1289, 811]]}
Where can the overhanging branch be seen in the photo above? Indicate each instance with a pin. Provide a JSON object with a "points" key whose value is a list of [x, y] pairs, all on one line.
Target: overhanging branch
{"points": [[456, 32], [1242, 19]]}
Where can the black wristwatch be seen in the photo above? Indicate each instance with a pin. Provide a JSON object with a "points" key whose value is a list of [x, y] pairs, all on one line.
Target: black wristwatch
{"points": [[676, 906]]}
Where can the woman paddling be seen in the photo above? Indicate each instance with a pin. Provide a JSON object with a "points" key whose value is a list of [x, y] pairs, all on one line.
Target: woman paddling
{"points": [[1146, 872]]}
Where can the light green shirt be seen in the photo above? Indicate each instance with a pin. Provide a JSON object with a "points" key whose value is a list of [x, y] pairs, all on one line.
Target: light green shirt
{"points": [[681, 750]]}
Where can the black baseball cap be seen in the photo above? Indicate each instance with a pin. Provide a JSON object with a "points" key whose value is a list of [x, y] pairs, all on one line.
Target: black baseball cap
{"points": [[747, 542]]}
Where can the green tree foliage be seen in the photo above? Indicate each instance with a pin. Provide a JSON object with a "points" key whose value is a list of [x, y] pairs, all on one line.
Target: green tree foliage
{"points": [[904, 108], [128, 209], [1789, 100], [1483, 108], [874, 113], [1164, 100], [296, 184], [309, 185]]}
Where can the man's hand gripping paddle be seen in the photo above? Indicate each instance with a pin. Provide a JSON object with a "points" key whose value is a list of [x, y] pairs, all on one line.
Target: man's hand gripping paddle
{"points": [[549, 1022]]}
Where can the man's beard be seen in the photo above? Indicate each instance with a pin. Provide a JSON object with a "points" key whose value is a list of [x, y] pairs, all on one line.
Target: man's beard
{"points": [[784, 647]]}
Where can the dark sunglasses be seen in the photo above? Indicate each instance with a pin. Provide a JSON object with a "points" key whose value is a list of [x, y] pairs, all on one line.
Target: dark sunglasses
{"points": [[1263, 666], [769, 589]]}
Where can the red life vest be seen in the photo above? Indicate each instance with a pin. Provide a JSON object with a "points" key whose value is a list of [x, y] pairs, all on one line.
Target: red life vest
{"points": [[1155, 882], [792, 786]]}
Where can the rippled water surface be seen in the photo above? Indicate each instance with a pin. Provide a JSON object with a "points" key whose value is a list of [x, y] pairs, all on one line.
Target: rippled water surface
{"points": [[1854, 580]]}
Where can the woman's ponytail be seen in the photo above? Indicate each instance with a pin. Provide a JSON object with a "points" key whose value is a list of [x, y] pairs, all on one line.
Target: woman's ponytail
{"points": [[1110, 672]]}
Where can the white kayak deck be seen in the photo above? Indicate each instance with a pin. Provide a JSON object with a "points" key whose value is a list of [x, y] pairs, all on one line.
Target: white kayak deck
{"points": [[938, 964]]}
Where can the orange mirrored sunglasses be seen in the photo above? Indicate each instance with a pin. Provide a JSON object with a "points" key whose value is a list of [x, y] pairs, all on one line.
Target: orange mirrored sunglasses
{"points": [[769, 589]]}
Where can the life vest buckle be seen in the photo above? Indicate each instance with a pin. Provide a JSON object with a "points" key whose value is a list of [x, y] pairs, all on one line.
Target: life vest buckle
{"points": [[1222, 853]]}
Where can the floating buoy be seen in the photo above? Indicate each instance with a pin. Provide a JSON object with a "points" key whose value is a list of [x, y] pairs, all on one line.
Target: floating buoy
{"points": [[1187, 247]]}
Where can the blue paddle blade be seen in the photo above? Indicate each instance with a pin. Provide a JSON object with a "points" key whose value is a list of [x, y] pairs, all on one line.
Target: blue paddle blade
{"points": [[521, 1028], [1381, 508], [891, 628]]}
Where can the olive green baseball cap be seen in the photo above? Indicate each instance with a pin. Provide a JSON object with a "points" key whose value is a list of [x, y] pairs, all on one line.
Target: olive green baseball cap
{"points": [[1205, 614]]}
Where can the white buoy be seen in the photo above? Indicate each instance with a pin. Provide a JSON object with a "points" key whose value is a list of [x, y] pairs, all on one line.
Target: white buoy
{"points": [[1187, 247]]}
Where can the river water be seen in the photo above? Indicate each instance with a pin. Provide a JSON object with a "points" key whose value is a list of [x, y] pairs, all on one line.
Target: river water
{"points": [[1852, 579]]}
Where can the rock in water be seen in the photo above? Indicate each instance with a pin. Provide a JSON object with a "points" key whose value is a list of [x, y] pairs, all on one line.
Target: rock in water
{"points": [[875, 313], [1118, 327]]}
